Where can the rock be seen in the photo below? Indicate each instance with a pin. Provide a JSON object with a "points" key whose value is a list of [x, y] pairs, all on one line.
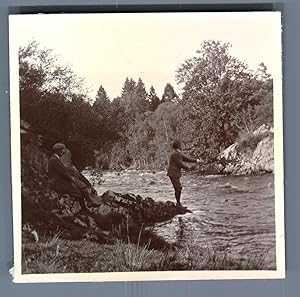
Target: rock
{"points": [[80, 223], [108, 196], [230, 153], [140, 211], [254, 157], [49, 212], [149, 200], [108, 221], [262, 129], [263, 155]]}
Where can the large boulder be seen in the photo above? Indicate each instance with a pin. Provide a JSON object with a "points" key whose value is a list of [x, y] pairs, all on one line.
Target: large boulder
{"points": [[263, 155], [253, 154]]}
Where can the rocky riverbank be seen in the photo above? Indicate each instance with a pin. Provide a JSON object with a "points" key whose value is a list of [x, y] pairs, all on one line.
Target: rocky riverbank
{"points": [[59, 236], [47, 211], [117, 214]]}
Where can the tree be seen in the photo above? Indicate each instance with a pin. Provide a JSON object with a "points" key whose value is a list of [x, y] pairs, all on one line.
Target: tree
{"points": [[119, 118], [40, 71], [102, 95], [128, 87], [165, 123], [102, 104], [141, 96], [55, 103], [262, 73], [128, 97], [150, 136], [169, 94], [218, 89], [45, 82], [138, 136], [153, 99], [134, 97]]}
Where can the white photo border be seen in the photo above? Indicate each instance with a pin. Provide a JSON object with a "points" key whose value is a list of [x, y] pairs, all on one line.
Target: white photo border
{"points": [[279, 273]]}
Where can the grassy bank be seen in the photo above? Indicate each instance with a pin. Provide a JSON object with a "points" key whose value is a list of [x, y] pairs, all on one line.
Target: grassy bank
{"points": [[64, 256]]}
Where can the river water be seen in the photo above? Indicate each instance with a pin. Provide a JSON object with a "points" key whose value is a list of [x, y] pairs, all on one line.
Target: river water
{"points": [[231, 214]]}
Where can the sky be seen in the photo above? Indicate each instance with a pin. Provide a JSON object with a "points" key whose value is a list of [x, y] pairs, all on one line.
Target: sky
{"points": [[104, 49]]}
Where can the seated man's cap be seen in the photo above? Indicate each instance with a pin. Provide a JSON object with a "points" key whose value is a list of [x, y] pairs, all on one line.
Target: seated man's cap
{"points": [[176, 144], [58, 147]]}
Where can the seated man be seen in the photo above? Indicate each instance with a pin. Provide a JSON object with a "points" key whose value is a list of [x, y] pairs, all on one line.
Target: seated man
{"points": [[63, 182], [80, 180]]}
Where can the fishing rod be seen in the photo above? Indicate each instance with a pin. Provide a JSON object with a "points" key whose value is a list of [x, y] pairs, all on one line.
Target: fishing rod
{"points": [[211, 160]]}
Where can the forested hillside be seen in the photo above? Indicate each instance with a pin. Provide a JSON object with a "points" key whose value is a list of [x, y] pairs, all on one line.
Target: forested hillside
{"points": [[221, 100]]}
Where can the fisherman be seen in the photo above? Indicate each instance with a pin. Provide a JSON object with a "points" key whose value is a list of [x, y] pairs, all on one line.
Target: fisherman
{"points": [[174, 169], [62, 180]]}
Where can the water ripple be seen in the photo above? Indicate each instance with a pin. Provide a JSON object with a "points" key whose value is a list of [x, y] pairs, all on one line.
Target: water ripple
{"points": [[235, 214]]}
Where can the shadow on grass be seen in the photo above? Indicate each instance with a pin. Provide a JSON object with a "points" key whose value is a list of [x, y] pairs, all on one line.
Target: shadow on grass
{"points": [[56, 255]]}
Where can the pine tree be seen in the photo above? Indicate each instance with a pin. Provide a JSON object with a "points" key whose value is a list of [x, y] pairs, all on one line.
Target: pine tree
{"points": [[128, 87], [102, 95], [102, 110], [141, 96], [153, 99], [169, 94], [134, 97], [140, 89], [102, 102]]}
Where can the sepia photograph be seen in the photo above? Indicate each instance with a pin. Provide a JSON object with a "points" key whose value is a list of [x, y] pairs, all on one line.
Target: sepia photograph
{"points": [[147, 146]]}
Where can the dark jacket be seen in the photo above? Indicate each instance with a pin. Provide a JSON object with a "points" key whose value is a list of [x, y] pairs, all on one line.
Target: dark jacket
{"points": [[66, 180], [60, 179], [176, 163], [57, 170]]}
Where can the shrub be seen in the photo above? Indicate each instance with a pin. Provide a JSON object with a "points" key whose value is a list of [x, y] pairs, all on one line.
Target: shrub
{"points": [[251, 140]]}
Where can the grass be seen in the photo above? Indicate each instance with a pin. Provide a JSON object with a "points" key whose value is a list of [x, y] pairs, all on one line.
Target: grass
{"points": [[193, 255], [85, 256], [41, 255], [57, 255], [197, 258], [133, 257]]}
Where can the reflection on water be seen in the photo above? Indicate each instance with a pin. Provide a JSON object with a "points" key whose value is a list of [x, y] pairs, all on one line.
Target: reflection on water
{"points": [[232, 214]]}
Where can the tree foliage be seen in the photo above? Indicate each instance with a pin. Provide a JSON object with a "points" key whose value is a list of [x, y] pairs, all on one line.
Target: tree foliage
{"points": [[55, 103], [221, 98], [153, 99], [169, 94], [150, 136], [141, 97], [219, 91]]}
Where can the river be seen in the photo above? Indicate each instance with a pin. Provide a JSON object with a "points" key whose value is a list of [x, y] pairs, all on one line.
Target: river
{"points": [[231, 214]]}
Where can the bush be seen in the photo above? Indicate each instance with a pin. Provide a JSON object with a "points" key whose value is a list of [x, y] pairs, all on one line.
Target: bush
{"points": [[251, 140]]}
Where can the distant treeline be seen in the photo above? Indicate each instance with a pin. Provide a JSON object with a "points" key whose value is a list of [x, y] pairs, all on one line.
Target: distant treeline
{"points": [[221, 99]]}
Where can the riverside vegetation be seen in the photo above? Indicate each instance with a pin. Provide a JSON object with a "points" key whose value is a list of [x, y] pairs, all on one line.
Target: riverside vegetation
{"points": [[223, 116], [222, 100]]}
